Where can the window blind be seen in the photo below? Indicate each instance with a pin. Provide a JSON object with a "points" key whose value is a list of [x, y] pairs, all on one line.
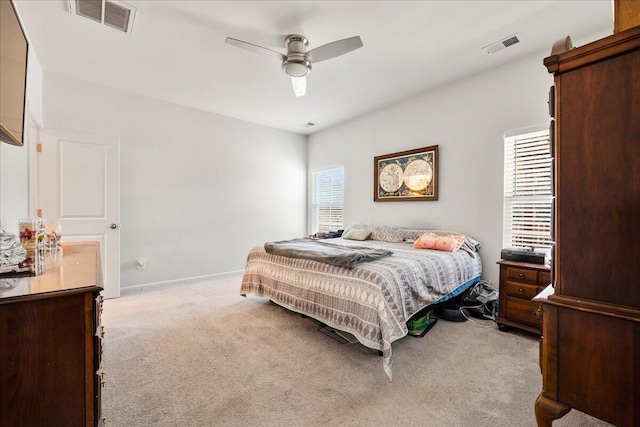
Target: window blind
{"points": [[527, 191], [327, 199]]}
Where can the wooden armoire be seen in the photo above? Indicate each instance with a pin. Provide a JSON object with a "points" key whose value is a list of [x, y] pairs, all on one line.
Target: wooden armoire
{"points": [[590, 348]]}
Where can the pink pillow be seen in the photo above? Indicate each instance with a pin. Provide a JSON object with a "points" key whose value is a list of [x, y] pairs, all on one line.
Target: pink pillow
{"points": [[448, 243]]}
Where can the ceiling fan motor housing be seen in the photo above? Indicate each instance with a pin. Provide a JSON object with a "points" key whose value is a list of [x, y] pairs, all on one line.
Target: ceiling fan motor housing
{"points": [[297, 62]]}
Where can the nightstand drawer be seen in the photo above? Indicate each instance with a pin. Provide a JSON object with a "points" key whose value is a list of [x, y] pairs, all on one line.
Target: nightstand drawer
{"points": [[544, 279], [521, 290], [523, 311], [522, 275]]}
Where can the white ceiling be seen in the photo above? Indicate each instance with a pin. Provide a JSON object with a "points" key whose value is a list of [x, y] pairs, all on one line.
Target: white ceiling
{"points": [[177, 51]]}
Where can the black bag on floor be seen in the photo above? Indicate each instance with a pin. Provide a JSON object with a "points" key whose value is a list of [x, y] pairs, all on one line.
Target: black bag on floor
{"points": [[481, 301]]}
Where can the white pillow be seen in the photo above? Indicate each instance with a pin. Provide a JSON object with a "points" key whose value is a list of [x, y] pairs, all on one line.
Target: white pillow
{"points": [[357, 226], [357, 234]]}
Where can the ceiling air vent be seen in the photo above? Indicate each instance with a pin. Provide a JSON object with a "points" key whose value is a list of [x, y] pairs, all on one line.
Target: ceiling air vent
{"points": [[112, 13], [502, 44]]}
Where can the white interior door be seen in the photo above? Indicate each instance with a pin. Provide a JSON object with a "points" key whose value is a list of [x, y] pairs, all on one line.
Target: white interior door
{"points": [[79, 185]]}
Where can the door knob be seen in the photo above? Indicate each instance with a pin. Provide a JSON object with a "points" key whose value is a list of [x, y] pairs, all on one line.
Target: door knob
{"points": [[113, 226]]}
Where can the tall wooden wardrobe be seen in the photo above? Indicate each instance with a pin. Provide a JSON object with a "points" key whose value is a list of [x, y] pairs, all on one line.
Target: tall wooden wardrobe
{"points": [[590, 350]]}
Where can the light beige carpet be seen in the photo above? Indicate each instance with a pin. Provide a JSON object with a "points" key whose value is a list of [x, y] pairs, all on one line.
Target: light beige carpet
{"points": [[201, 355]]}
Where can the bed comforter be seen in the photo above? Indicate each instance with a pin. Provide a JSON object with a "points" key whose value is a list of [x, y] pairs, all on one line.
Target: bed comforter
{"points": [[372, 301], [324, 251]]}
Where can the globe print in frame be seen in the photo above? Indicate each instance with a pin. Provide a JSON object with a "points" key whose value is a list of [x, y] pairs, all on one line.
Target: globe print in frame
{"points": [[407, 175], [418, 175], [391, 178]]}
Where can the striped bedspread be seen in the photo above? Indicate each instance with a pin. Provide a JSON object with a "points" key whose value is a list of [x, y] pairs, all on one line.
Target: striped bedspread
{"points": [[371, 301]]}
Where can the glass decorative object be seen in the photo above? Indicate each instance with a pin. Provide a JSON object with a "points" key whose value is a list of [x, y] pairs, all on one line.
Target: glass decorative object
{"points": [[52, 235], [31, 232]]}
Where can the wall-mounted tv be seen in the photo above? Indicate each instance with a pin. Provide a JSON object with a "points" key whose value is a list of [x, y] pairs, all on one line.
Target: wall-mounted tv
{"points": [[13, 75]]}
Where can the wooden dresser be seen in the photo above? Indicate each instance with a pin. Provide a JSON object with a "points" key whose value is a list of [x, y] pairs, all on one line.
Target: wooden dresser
{"points": [[519, 283], [590, 350], [50, 343]]}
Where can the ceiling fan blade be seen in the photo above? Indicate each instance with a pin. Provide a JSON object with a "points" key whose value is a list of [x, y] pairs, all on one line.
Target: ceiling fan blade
{"points": [[254, 48], [333, 49], [299, 85]]}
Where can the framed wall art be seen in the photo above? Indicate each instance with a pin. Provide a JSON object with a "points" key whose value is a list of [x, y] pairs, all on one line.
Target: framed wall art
{"points": [[406, 176]]}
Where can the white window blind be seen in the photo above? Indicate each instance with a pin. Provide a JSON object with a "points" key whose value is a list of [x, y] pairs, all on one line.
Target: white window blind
{"points": [[527, 191], [327, 197]]}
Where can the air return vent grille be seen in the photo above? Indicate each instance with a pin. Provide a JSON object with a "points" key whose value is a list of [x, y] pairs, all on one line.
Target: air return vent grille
{"points": [[91, 9], [502, 44], [112, 13]]}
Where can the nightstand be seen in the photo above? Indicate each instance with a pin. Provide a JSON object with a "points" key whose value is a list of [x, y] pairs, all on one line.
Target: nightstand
{"points": [[519, 283]]}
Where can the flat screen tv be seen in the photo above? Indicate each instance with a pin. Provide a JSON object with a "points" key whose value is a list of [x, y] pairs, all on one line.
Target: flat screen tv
{"points": [[13, 75]]}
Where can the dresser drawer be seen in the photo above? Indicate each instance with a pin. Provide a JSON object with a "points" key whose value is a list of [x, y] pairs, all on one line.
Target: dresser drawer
{"points": [[521, 290], [522, 311], [522, 275]]}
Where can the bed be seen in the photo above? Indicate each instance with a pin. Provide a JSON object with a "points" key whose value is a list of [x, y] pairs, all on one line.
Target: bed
{"points": [[373, 300]]}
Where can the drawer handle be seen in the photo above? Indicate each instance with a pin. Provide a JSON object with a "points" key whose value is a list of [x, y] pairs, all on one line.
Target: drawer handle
{"points": [[521, 275], [536, 314], [521, 291]]}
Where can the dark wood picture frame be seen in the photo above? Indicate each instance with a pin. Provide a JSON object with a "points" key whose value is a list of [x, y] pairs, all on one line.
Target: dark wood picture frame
{"points": [[406, 176]]}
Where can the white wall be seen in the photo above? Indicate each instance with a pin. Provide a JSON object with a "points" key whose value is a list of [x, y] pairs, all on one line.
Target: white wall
{"points": [[467, 120], [34, 86], [14, 161], [14, 186], [198, 190]]}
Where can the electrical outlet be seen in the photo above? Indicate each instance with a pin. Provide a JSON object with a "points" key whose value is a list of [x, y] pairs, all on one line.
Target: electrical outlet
{"points": [[140, 265]]}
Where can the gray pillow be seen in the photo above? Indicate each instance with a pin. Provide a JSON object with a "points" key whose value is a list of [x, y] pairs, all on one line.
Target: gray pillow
{"points": [[413, 234], [387, 234], [357, 234]]}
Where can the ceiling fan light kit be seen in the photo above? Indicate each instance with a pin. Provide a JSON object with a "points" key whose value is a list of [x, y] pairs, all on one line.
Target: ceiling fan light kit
{"points": [[297, 62], [299, 85]]}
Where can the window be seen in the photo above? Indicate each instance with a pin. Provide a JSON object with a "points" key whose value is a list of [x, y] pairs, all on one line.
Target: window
{"points": [[527, 191], [327, 196]]}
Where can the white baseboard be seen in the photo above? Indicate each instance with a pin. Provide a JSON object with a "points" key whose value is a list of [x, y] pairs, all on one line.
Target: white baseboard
{"points": [[129, 290]]}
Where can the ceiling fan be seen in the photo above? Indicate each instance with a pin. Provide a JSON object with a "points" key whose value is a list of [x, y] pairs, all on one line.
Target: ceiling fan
{"points": [[297, 62]]}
